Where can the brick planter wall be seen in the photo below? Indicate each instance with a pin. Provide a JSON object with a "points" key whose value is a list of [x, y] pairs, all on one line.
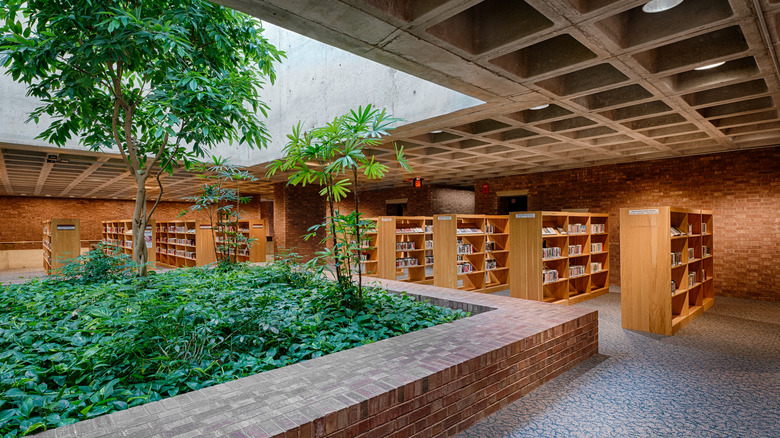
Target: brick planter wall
{"points": [[433, 382], [742, 188]]}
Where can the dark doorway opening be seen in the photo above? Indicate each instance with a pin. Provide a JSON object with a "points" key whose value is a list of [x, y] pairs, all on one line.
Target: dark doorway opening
{"points": [[509, 204], [396, 209]]}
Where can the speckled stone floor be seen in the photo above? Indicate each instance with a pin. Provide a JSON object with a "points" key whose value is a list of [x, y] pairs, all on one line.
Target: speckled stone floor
{"points": [[718, 377]]}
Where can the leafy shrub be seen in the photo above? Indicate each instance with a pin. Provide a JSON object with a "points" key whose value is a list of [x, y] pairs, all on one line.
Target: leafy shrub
{"points": [[104, 263], [74, 350]]}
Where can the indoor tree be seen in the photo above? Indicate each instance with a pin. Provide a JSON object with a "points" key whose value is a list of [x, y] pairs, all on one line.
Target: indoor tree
{"points": [[334, 156], [159, 80]]}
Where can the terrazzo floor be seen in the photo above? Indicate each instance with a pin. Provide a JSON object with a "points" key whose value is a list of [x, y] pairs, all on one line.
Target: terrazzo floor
{"points": [[718, 377]]}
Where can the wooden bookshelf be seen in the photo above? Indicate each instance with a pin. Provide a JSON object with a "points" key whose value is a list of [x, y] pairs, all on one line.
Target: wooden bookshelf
{"points": [[184, 243], [559, 257], [401, 248], [666, 276], [369, 255], [61, 242], [252, 229], [118, 234], [471, 252]]}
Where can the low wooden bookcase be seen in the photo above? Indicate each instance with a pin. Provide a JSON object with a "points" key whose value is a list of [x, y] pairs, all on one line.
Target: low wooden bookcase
{"points": [[185, 243], [471, 252], [61, 242], [251, 229], [666, 267], [118, 234], [401, 248], [559, 257]]}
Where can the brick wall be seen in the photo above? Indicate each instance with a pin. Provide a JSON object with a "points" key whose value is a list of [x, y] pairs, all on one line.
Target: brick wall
{"points": [[22, 216], [424, 201], [295, 210], [742, 188]]}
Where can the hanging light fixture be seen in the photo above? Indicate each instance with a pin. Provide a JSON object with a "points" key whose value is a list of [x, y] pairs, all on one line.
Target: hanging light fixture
{"points": [[707, 67], [540, 107], [654, 6]]}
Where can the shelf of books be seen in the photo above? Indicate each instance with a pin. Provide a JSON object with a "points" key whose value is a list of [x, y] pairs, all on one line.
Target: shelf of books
{"points": [[472, 252], [569, 250], [253, 230], [404, 248], [666, 268], [61, 242], [184, 243], [369, 254], [118, 234]]}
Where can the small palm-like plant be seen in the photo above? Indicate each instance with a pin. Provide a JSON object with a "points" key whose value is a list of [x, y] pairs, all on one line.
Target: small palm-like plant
{"points": [[220, 199], [334, 156]]}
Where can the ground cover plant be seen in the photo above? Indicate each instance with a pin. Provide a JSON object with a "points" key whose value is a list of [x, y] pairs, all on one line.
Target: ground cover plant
{"points": [[73, 349]]}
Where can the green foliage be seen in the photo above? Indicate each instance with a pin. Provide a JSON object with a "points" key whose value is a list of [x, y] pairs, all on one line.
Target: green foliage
{"points": [[104, 263], [159, 80], [220, 199], [333, 156], [75, 350]]}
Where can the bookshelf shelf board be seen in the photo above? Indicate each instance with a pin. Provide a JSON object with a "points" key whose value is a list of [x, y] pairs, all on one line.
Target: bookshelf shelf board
{"points": [[556, 281], [679, 292], [684, 236]]}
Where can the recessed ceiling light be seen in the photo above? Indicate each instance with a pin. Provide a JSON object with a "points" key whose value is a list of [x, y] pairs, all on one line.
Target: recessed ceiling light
{"points": [[707, 67], [654, 6], [438, 131], [540, 107]]}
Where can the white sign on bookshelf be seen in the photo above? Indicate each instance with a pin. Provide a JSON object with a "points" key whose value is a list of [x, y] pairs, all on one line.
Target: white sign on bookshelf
{"points": [[641, 212], [525, 215], [445, 218]]}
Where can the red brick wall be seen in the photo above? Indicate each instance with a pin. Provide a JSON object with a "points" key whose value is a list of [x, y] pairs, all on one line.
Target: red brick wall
{"points": [[425, 201], [22, 216], [742, 188], [295, 210]]}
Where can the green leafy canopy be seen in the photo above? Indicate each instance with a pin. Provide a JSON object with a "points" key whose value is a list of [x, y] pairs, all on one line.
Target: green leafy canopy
{"points": [[188, 70]]}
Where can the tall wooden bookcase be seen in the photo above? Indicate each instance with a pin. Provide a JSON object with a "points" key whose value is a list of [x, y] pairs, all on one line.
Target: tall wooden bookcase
{"points": [[184, 243], [369, 255], [559, 257], [252, 229], [471, 252], [666, 268], [401, 248], [118, 234], [61, 242]]}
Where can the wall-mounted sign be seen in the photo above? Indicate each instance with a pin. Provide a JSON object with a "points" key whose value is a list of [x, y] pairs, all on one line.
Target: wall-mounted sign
{"points": [[641, 212], [417, 183], [485, 188]]}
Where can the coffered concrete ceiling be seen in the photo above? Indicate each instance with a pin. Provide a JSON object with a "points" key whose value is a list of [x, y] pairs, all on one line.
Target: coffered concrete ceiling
{"points": [[621, 84]]}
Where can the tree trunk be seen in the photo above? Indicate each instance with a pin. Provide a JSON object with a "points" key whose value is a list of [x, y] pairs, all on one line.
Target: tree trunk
{"points": [[140, 253]]}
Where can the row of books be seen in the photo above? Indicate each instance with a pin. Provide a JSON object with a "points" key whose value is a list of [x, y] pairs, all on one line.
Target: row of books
{"points": [[364, 256], [577, 229], [706, 251], [408, 230], [114, 230], [691, 279], [691, 254], [576, 270], [239, 251], [114, 242], [176, 241], [490, 229], [549, 275], [676, 232], [177, 252], [405, 246], [470, 231], [429, 260], [551, 253], [429, 228], [677, 258], [575, 250], [490, 264], [596, 267], [550, 231], [465, 268], [405, 262], [465, 249], [490, 246], [598, 228], [175, 229], [429, 244], [596, 247]]}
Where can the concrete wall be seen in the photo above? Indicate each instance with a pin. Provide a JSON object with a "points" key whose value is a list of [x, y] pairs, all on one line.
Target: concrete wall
{"points": [[742, 188], [314, 84]]}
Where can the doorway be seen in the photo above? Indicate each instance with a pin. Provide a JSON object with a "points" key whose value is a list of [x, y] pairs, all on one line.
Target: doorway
{"points": [[396, 209], [509, 204]]}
